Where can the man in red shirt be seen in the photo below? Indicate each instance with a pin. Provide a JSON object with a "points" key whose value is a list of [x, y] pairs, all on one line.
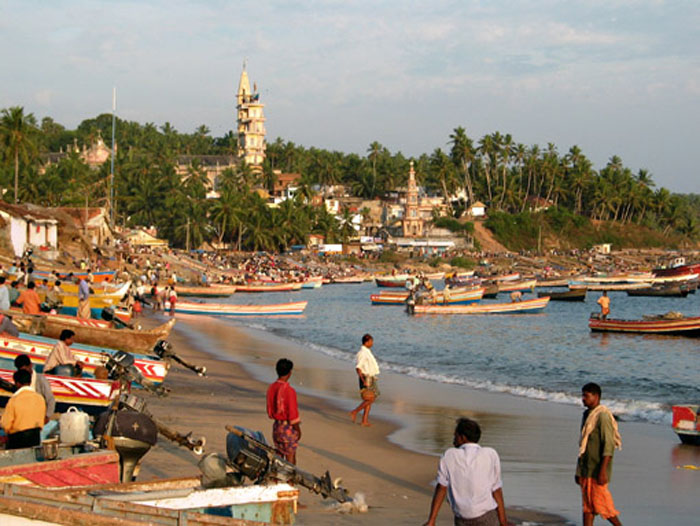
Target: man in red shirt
{"points": [[283, 409], [29, 300]]}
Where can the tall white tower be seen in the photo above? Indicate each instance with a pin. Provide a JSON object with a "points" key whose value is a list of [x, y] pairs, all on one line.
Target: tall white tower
{"points": [[251, 124]]}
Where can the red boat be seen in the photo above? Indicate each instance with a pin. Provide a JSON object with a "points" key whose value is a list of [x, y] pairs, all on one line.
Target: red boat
{"points": [[686, 423], [679, 270], [660, 325]]}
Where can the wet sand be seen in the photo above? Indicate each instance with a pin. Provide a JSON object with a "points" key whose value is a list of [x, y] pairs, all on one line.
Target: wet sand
{"points": [[393, 462]]}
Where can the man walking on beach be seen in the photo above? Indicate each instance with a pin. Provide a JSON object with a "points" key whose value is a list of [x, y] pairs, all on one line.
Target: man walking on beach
{"points": [[599, 438], [367, 370], [470, 476], [283, 409]]}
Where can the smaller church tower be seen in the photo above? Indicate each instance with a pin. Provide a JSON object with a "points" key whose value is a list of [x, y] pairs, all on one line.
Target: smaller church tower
{"points": [[412, 222], [251, 124]]}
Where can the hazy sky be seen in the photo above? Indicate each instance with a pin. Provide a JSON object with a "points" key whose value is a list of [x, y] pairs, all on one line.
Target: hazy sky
{"points": [[612, 76]]}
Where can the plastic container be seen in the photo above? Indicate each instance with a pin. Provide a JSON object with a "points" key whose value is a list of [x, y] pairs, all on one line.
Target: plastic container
{"points": [[75, 426]]}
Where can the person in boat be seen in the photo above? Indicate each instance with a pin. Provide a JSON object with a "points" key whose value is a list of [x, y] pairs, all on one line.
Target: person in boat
{"points": [[54, 296], [446, 294], [61, 361], [4, 295], [471, 476], [25, 414], [282, 407], [29, 300], [516, 296], [604, 302], [13, 292], [367, 371], [7, 327], [84, 298], [599, 439], [39, 383]]}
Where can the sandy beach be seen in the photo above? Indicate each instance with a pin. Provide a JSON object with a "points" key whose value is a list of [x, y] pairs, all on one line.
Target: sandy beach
{"points": [[393, 463]]}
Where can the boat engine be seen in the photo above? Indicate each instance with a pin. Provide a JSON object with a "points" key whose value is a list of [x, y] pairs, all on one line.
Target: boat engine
{"points": [[164, 350], [120, 366]]}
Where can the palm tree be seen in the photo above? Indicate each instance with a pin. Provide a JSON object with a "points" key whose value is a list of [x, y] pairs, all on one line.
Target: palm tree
{"points": [[18, 131], [374, 151], [462, 154]]}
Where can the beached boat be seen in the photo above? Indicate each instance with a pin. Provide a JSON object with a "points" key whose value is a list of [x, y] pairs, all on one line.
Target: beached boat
{"points": [[73, 466], [567, 295], [657, 325], [151, 367], [522, 286], [312, 283], [435, 275], [517, 307], [87, 394], [98, 277], [556, 282], [221, 309], [455, 298], [679, 269], [513, 276], [686, 423], [279, 287], [671, 291], [223, 291], [93, 332], [354, 280]]}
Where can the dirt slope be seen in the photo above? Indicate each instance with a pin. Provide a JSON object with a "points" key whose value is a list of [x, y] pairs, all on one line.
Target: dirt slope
{"points": [[486, 239]]}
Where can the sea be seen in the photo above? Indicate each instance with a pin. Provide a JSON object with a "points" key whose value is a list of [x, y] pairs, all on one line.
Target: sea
{"points": [[545, 356]]}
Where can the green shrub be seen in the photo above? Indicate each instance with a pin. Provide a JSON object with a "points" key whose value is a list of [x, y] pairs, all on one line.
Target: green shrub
{"points": [[462, 262]]}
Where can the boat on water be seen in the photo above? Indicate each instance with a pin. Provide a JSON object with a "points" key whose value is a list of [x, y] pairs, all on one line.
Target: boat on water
{"points": [[669, 291], [275, 287], [152, 368], [686, 423], [490, 291], [664, 325], [608, 286], [517, 307], [223, 291], [566, 295], [392, 281], [93, 332], [221, 309], [312, 283], [72, 466], [455, 298], [90, 395], [554, 282], [354, 280], [514, 285]]}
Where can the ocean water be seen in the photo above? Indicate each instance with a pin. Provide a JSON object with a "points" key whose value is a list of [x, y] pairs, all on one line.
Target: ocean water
{"points": [[546, 356]]}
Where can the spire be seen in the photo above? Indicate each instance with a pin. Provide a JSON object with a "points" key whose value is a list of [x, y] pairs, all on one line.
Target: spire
{"points": [[243, 87]]}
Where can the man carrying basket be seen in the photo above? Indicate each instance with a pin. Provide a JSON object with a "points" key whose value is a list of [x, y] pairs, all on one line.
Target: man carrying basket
{"points": [[367, 371]]}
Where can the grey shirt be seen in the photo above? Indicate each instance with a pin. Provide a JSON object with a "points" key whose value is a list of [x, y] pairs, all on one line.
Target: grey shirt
{"points": [[41, 385]]}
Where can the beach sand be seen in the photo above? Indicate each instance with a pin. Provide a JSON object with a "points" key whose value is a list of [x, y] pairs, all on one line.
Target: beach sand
{"points": [[396, 482]]}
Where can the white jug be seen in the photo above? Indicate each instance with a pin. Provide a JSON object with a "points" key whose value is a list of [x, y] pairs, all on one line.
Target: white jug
{"points": [[75, 426]]}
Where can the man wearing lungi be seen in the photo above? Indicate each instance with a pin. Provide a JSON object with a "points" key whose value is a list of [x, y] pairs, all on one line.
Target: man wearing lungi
{"points": [[283, 409]]}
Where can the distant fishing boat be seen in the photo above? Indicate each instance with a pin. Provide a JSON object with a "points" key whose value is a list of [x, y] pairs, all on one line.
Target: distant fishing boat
{"points": [[669, 291], [686, 423], [223, 291], [392, 281], [348, 279], [567, 295], [610, 286], [312, 283], [517, 307], [521, 286], [657, 325], [455, 298], [281, 287], [222, 309]]}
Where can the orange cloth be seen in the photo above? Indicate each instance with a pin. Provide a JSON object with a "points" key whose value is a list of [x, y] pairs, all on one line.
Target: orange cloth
{"points": [[597, 499], [604, 303], [30, 301], [25, 410]]}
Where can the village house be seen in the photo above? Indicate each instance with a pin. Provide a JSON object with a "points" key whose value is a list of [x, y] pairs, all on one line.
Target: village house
{"points": [[28, 227]]}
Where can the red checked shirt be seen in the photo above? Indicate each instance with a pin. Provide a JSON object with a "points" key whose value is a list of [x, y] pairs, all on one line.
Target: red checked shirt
{"points": [[282, 402]]}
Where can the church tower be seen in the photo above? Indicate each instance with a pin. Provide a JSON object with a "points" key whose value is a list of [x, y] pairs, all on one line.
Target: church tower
{"points": [[251, 124], [412, 223]]}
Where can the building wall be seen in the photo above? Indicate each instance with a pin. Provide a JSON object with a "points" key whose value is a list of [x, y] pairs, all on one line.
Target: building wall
{"points": [[18, 235]]}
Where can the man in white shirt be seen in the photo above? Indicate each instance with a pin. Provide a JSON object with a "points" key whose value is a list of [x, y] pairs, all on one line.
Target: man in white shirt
{"points": [[367, 370], [470, 476]]}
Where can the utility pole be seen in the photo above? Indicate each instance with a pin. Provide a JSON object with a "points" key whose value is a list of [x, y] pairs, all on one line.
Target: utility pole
{"points": [[111, 171], [187, 239]]}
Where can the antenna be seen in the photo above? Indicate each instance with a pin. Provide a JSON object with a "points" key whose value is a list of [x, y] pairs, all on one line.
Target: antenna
{"points": [[111, 170]]}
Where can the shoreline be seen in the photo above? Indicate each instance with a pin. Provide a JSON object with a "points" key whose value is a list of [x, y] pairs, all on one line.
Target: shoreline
{"points": [[395, 480]]}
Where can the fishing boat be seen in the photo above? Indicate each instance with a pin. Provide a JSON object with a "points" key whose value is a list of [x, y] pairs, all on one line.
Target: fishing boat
{"points": [[98, 277], [686, 423], [392, 281], [490, 291], [279, 287], [567, 295], [93, 332], [223, 291], [72, 466], [555, 282], [657, 325], [312, 283], [348, 279], [512, 286], [151, 367], [435, 275], [513, 276], [222, 309], [90, 395], [608, 286], [455, 298], [517, 307], [671, 291]]}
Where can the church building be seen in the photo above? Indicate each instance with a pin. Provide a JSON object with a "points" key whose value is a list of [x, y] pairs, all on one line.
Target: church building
{"points": [[251, 124]]}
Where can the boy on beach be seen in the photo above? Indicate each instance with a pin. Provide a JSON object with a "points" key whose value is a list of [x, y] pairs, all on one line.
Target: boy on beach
{"points": [[367, 370], [599, 438], [283, 409], [471, 476]]}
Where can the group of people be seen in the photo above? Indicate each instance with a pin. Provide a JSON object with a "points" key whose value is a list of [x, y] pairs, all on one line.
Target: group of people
{"points": [[468, 474]]}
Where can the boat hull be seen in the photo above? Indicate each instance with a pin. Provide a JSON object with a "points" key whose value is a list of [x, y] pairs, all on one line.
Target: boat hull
{"points": [[220, 309], [682, 327], [518, 307], [456, 298], [206, 292], [283, 287], [569, 295]]}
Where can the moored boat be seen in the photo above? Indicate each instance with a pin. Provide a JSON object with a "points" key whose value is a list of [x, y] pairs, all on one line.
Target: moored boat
{"points": [[348, 279], [223, 291], [608, 286], [98, 277], [686, 423], [517, 307], [512, 286], [392, 281], [279, 287], [567, 295], [658, 325], [312, 283], [671, 291], [222, 309], [454, 298]]}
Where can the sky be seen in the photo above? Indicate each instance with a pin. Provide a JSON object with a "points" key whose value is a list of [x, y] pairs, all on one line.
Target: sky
{"points": [[615, 77]]}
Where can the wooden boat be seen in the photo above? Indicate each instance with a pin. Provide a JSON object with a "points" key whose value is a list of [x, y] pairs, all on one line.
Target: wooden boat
{"points": [[206, 292], [73, 466], [518, 307], [348, 279], [686, 423], [513, 276], [93, 332], [312, 283], [152, 368], [281, 287], [435, 275], [98, 277], [455, 298], [392, 281], [678, 270], [522, 286], [672, 291], [559, 282], [166, 502], [660, 325], [567, 295], [222, 309], [608, 286], [490, 291], [612, 279], [90, 395]]}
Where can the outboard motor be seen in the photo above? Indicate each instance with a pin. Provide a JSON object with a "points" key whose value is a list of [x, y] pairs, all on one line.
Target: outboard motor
{"points": [[109, 314]]}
